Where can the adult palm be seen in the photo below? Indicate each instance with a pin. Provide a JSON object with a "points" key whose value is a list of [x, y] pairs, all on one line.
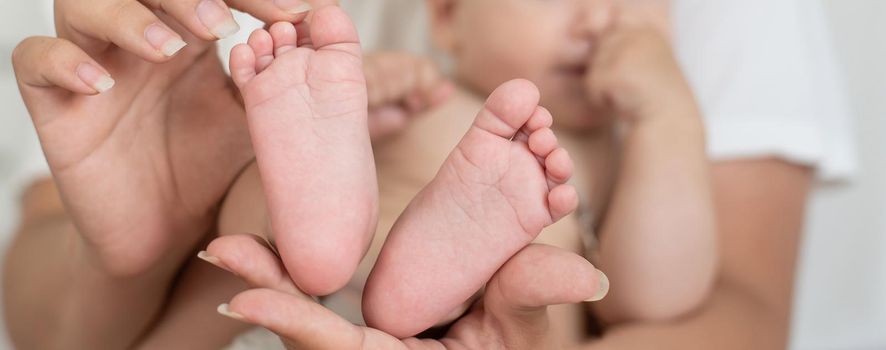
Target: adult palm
{"points": [[142, 166], [511, 315]]}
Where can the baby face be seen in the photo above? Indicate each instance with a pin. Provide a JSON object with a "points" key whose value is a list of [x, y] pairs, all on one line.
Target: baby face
{"points": [[546, 41]]}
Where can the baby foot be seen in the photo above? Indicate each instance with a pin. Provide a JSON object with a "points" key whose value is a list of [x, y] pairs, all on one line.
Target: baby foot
{"points": [[503, 183], [306, 105]]}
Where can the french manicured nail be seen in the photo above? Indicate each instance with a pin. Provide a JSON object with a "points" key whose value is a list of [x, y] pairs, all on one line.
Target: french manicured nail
{"points": [[293, 6], [217, 19], [163, 39], [204, 255], [94, 77], [225, 310], [603, 288]]}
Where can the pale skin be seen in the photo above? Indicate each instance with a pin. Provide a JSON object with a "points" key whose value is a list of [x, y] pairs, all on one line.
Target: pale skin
{"points": [[304, 91], [655, 313], [511, 315], [744, 310], [750, 304], [747, 281], [663, 171], [89, 260], [760, 208], [119, 285], [406, 163], [749, 307], [306, 103], [125, 253], [401, 86], [663, 177], [597, 62]]}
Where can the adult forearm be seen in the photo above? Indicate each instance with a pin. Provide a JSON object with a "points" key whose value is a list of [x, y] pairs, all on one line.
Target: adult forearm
{"points": [[57, 297], [730, 320], [660, 222], [760, 207]]}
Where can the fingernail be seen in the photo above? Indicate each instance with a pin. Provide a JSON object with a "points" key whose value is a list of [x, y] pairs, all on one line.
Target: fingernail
{"points": [[94, 77], [204, 255], [293, 6], [163, 39], [603, 288], [104, 83], [225, 310], [217, 19]]}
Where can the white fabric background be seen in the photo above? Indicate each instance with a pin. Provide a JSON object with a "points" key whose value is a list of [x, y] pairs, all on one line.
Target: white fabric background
{"points": [[840, 304], [765, 76]]}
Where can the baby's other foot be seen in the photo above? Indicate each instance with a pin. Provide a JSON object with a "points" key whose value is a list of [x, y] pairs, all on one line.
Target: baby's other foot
{"points": [[306, 104], [503, 183]]}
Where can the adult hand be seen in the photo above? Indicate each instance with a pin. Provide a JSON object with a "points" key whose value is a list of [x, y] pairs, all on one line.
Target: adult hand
{"points": [[143, 158], [512, 313]]}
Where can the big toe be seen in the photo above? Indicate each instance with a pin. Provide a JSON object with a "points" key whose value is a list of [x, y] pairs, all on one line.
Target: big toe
{"points": [[332, 28], [285, 37], [509, 107]]}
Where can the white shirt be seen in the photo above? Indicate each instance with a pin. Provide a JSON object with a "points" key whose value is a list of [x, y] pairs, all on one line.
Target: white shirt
{"points": [[764, 74]]}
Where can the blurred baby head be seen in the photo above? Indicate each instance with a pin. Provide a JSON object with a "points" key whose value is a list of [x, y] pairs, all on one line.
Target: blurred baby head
{"points": [[546, 41]]}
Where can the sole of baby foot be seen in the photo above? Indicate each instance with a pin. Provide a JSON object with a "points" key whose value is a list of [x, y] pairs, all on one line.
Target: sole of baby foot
{"points": [[503, 184], [306, 106]]}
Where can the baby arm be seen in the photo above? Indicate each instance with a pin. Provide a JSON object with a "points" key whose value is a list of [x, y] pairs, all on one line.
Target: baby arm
{"points": [[401, 85], [658, 241]]}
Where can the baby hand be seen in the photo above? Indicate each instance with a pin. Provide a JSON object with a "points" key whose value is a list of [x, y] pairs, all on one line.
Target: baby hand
{"points": [[634, 74], [400, 86]]}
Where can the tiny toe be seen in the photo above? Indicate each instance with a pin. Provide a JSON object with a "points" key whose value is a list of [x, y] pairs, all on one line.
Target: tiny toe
{"points": [[562, 201], [508, 108], [542, 142], [304, 35], [242, 64], [285, 37], [263, 46], [331, 27], [522, 136], [559, 166], [540, 119]]}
